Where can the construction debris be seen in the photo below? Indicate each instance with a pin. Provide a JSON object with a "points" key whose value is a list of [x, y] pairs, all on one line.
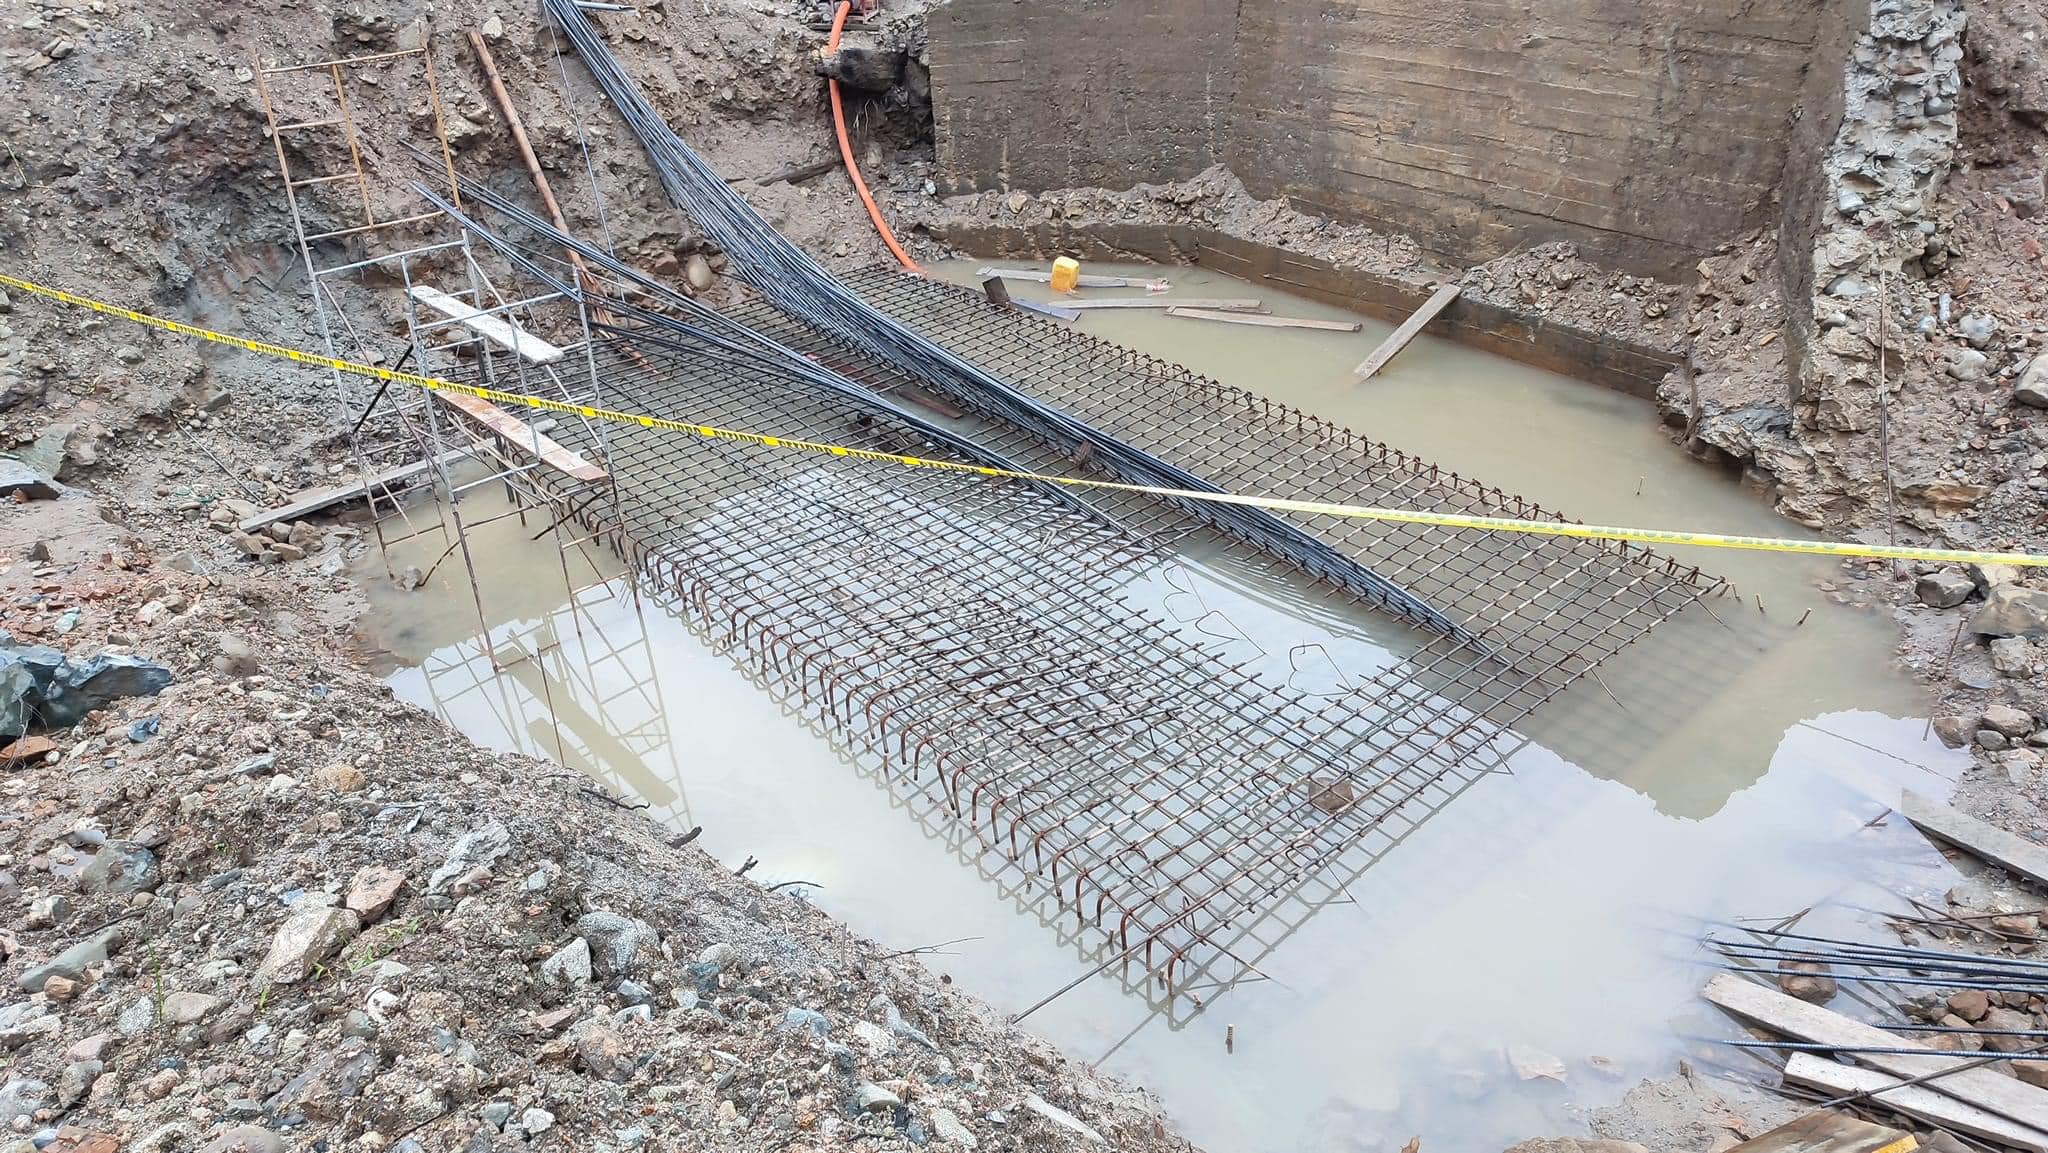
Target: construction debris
{"points": [[2014, 854], [1409, 330], [1260, 321]]}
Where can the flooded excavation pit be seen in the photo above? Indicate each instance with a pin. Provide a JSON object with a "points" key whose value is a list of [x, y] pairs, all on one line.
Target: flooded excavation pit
{"points": [[1112, 752]]}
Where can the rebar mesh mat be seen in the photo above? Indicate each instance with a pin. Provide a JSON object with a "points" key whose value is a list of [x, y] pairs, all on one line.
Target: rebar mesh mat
{"points": [[979, 642]]}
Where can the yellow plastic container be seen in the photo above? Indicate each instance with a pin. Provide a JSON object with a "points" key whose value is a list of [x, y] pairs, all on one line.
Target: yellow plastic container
{"points": [[1066, 274]]}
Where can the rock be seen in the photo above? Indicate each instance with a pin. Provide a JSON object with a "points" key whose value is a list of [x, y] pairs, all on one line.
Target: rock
{"points": [[16, 477], [1992, 740], [617, 943], [72, 963], [1808, 981], [1530, 1063], [136, 1018], [121, 868], [2012, 610], [2032, 386], [477, 849], [2032, 1072], [25, 1021], [1017, 201], [48, 910], [797, 1020], [93, 1048], [872, 1098], [604, 1054], [718, 956], [697, 271], [60, 988], [372, 891], [494, 31], [288, 551], [309, 936], [2012, 656], [1970, 1004], [496, 1113], [864, 69], [1967, 364], [1944, 590], [949, 1129], [184, 1008], [1978, 328], [236, 657], [2011, 1021], [2009, 721], [246, 1139], [20, 1097], [569, 965], [340, 777], [1062, 1118], [536, 1121]]}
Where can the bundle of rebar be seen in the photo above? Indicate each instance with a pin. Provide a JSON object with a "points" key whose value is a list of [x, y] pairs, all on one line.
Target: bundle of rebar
{"points": [[784, 273]]}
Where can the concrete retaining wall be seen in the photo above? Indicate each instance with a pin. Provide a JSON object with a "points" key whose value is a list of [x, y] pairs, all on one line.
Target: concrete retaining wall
{"points": [[1645, 131]]}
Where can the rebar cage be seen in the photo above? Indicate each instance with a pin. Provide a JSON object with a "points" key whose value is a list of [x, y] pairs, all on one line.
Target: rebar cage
{"points": [[980, 644]]}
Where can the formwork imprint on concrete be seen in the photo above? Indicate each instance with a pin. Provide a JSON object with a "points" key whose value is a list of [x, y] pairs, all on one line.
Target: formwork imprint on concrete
{"points": [[976, 642]]}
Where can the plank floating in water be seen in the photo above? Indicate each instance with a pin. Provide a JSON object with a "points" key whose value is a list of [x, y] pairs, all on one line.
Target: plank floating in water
{"points": [[1985, 1088], [1086, 281], [1820, 1132], [1239, 305], [312, 501], [1055, 311], [1916, 1101], [2009, 851], [496, 329], [1261, 321], [518, 435], [1409, 330]]}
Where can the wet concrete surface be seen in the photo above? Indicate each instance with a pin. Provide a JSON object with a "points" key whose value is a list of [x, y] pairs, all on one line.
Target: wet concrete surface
{"points": [[1725, 768]]}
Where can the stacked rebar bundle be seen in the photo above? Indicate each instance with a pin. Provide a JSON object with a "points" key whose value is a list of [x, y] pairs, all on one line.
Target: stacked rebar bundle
{"points": [[786, 274]]}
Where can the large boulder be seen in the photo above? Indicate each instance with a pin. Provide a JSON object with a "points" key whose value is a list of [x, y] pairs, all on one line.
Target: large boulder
{"points": [[2011, 610]]}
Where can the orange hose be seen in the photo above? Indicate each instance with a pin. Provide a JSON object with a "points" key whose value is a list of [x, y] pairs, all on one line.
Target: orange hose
{"points": [[846, 149]]}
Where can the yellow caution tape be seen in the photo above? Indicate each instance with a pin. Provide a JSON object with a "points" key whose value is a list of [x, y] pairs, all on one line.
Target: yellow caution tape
{"points": [[1278, 504]]}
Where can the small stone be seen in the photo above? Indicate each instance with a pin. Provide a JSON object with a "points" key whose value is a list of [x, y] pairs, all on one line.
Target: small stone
{"points": [[2012, 656], [189, 1008], [2034, 1073], [536, 1121], [2032, 386], [698, 272], [1808, 981], [246, 1139], [496, 1113], [1967, 364], [949, 1129], [1970, 1004], [479, 848], [1063, 1119], [136, 1018], [122, 867], [307, 938], [48, 910], [1992, 740], [2012, 610], [795, 1020], [2008, 720], [1017, 202], [93, 1048], [570, 964], [60, 988], [872, 1098], [20, 1097], [604, 1054], [2008, 1022], [494, 31], [372, 891], [25, 1021], [1954, 731], [1978, 328], [617, 943], [72, 963], [1944, 590], [285, 550], [718, 956]]}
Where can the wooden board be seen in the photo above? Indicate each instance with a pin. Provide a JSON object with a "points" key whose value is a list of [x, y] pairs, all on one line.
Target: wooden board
{"points": [[1163, 302], [2009, 851], [1915, 1101], [496, 329], [517, 434], [1822, 1132], [1409, 330], [1086, 281], [1983, 1087], [1263, 321], [313, 500], [1052, 310]]}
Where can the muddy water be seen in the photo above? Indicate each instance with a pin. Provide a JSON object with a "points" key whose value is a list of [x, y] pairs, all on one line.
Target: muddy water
{"points": [[1549, 910]]}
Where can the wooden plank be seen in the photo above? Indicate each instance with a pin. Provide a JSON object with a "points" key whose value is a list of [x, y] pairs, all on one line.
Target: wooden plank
{"points": [[1162, 302], [313, 500], [1086, 281], [517, 434], [1915, 1101], [1263, 321], [1409, 330], [2009, 851], [1823, 1132], [496, 329], [1052, 310], [1983, 1087]]}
